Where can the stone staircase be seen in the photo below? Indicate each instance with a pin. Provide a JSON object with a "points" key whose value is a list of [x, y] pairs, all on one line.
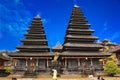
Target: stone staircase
{"points": [[29, 74]]}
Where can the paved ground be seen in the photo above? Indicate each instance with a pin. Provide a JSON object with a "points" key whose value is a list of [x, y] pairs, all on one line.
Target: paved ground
{"points": [[63, 77], [106, 78]]}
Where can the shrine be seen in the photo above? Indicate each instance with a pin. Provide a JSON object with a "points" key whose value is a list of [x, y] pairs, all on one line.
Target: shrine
{"points": [[80, 53], [34, 53]]}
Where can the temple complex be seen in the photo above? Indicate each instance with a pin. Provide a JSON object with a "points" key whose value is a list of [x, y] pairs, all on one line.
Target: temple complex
{"points": [[80, 53]]}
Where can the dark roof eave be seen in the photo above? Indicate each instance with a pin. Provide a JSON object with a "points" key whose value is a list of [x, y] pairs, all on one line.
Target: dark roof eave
{"points": [[95, 54], [30, 54]]}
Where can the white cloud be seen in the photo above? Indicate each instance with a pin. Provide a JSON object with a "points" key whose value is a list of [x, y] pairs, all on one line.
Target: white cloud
{"points": [[115, 36], [104, 32], [44, 21], [105, 26], [14, 21]]}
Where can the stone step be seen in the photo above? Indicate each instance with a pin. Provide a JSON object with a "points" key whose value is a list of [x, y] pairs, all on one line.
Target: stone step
{"points": [[25, 79]]}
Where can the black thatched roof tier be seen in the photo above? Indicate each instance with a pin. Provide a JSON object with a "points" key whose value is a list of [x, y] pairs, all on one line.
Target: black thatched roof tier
{"points": [[33, 23], [82, 45], [76, 17], [35, 27], [81, 30], [4, 57], [116, 49], [36, 21], [80, 33], [35, 35], [79, 26], [34, 40], [32, 54], [81, 37], [78, 22], [70, 53], [82, 24], [34, 30], [33, 47]]}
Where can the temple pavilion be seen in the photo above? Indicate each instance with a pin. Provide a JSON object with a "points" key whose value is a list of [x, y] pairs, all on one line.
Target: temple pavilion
{"points": [[57, 48], [3, 59], [80, 53], [34, 53]]}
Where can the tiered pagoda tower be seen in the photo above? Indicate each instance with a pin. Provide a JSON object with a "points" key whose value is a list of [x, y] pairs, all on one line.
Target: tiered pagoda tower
{"points": [[79, 49], [34, 53], [35, 40]]}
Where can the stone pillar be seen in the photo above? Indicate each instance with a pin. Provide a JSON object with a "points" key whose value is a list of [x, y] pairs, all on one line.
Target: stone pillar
{"points": [[12, 64], [47, 63], [26, 62], [66, 63], [91, 62], [78, 61], [37, 62], [15, 62], [65, 71], [79, 66]]}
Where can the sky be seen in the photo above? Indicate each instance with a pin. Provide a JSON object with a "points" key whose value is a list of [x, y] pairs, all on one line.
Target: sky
{"points": [[16, 17]]}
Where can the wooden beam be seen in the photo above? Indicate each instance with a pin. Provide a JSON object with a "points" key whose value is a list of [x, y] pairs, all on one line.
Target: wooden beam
{"points": [[81, 57], [32, 57]]}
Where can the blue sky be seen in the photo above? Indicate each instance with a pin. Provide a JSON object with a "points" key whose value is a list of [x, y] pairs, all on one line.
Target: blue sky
{"points": [[16, 16]]}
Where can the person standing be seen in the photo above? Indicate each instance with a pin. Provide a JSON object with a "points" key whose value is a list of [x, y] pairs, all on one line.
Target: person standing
{"points": [[54, 74], [99, 78]]}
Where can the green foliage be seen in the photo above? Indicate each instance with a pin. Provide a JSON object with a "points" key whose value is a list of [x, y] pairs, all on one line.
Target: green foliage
{"points": [[8, 69], [118, 71], [101, 60], [111, 58], [111, 68]]}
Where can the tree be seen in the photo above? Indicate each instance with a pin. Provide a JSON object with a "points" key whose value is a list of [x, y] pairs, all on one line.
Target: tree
{"points": [[110, 58], [111, 68], [118, 71]]}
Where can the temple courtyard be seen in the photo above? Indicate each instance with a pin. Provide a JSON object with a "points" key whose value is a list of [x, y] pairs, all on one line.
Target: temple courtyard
{"points": [[63, 77]]}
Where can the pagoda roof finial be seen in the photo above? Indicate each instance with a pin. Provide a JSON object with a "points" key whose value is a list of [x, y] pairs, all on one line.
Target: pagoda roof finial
{"points": [[37, 16], [75, 5]]}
